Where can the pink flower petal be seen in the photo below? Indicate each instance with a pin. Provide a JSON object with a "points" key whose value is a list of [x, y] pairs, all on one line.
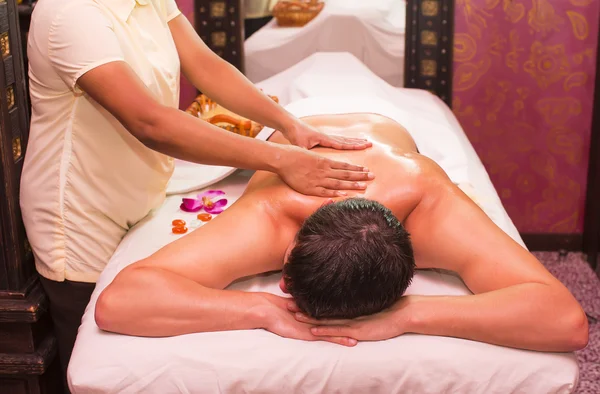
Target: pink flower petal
{"points": [[217, 207], [191, 205], [211, 193]]}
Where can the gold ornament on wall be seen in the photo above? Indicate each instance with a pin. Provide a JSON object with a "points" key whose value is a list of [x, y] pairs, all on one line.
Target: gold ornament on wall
{"points": [[430, 7], [217, 9], [428, 37], [218, 39], [16, 148], [5, 45], [428, 68], [10, 97]]}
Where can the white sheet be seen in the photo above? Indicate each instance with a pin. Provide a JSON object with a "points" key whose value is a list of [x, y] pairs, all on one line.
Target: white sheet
{"points": [[259, 362], [372, 30]]}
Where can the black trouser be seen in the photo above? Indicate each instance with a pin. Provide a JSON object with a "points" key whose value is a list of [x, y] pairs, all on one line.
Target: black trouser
{"points": [[68, 301], [251, 26]]}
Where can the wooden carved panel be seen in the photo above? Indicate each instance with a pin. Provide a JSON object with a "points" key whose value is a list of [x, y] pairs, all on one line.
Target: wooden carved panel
{"points": [[220, 25], [17, 271], [429, 42]]}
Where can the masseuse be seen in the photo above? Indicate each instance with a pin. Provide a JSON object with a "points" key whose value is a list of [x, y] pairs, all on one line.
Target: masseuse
{"points": [[104, 77]]}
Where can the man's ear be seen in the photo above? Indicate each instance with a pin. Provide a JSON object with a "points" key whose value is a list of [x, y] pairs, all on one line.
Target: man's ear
{"points": [[327, 202], [282, 285]]}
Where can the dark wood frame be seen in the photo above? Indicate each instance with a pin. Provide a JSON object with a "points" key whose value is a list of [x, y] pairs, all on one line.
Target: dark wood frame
{"points": [[429, 47]]}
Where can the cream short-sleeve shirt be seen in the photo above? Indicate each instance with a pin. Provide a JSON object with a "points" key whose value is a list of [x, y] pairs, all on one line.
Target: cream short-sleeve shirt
{"points": [[86, 180]]}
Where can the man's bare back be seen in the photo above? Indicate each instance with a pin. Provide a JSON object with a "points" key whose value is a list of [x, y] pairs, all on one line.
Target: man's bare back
{"points": [[402, 177], [393, 159], [516, 302]]}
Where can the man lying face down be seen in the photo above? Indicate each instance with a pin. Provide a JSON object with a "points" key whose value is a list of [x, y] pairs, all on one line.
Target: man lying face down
{"points": [[348, 260]]}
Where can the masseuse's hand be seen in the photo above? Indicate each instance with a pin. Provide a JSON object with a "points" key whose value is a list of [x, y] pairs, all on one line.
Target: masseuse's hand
{"points": [[380, 326], [279, 320], [315, 175], [305, 136]]}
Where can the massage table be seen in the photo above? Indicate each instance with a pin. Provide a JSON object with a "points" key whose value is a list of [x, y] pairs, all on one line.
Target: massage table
{"points": [[257, 361], [372, 30]]}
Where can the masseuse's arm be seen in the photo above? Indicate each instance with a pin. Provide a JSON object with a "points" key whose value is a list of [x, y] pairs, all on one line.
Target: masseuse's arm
{"points": [[223, 83], [170, 131], [516, 302], [180, 289]]}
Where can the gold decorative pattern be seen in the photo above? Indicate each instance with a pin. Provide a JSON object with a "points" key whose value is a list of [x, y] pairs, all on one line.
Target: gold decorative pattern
{"points": [[514, 11], [465, 47], [565, 142], [4, 45], [558, 110], [575, 80], [522, 83], [217, 9], [10, 97], [580, 25], [476, 14], [428, 68], [430, 7], [547, 64], [543, 18], [468, 74], [544, 164], [16, 148], [512, 57], [581, 3], [218, 39], [429, 37], [578, 58]]}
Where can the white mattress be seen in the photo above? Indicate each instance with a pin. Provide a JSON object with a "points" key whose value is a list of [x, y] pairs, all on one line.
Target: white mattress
{"points": [[257, 361], [372, 30]]}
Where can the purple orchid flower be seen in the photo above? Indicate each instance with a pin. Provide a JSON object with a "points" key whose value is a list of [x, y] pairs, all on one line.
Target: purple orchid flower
{"points": [[204, 200]]}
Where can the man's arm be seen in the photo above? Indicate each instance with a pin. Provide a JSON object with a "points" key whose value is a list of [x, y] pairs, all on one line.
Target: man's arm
{"points": [[516, 301], [179, 289]]}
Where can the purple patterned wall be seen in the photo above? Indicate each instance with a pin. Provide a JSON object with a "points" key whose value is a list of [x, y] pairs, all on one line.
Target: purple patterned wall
{"points": [[523, 91]]}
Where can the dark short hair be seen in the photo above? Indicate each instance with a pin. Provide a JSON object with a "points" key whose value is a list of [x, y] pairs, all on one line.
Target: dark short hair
{"points": [[351, 258]]}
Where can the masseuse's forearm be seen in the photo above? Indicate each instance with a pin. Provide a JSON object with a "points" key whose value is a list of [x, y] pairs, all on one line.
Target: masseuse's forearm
{"points": [[178, 134], [223, 83], [528, 316], [152, 302]]}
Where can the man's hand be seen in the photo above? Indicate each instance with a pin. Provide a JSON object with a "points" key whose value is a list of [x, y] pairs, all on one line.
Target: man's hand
{"points": [[315, 175], [380, 326], [306, 136], [279, 320]]}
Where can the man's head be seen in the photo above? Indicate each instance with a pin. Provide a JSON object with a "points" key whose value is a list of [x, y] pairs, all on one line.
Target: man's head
{"points": [[350, 258]]}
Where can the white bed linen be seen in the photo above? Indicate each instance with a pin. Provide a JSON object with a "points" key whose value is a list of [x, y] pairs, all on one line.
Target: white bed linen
{"points": [[372, 30], [259, 362]]}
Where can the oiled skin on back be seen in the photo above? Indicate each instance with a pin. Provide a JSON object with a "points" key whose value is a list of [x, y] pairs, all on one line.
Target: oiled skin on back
{"points": [[393, 158], [401, 174]]}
